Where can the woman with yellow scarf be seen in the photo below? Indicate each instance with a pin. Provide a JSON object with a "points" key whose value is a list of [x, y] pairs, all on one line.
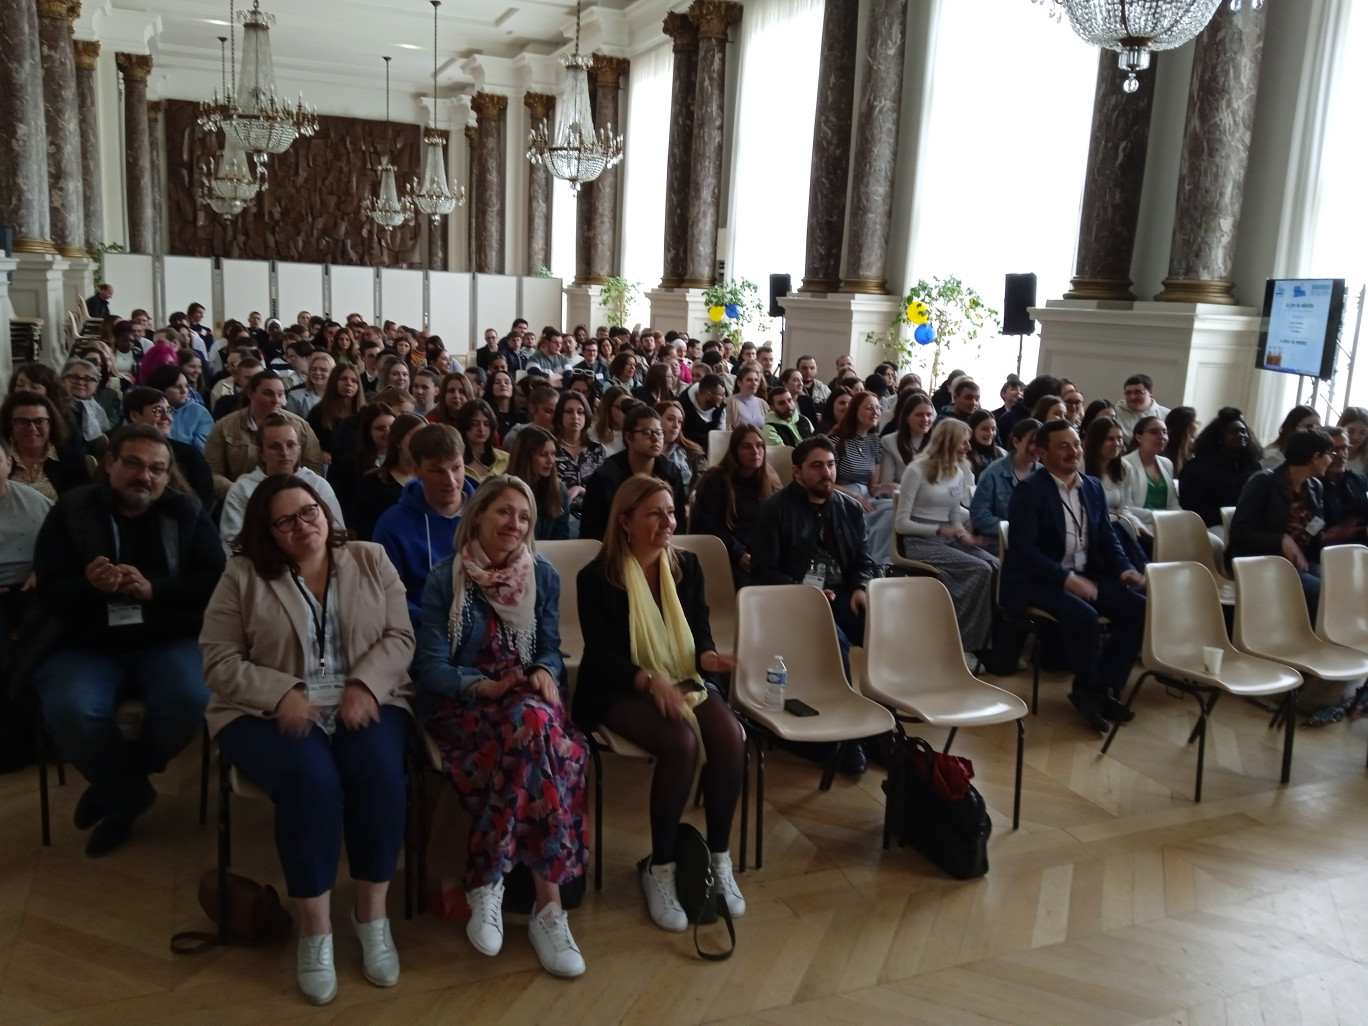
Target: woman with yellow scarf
{"points": [[647, 652]]}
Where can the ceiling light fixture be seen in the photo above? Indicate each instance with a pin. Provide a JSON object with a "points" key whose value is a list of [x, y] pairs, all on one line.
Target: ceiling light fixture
{"points": [[435, 197], [229, 187], [386, 208]]}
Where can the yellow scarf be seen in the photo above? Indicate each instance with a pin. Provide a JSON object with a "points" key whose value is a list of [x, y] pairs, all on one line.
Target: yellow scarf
{"points": [[662, 642]]}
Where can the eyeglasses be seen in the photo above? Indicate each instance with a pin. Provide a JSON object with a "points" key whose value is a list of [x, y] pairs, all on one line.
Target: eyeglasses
{"points": [[31, 423], [139, 467], [651, 432], [83, 379], [304, 515], [159, 411]]}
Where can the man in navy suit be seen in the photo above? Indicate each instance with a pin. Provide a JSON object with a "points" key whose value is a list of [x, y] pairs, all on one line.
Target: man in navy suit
{"points": [[1063, 557]]}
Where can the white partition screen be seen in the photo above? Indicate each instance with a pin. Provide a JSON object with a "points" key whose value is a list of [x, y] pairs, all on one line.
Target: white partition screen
{"points": [[298, 287], [352, 291], [496, 303], [449, 309], [187, 280], [543, 304], [246, 287], [134, 281], [401, 296]]}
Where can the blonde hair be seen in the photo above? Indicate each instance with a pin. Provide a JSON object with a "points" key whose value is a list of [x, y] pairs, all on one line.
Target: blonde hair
{"points": [[630, 494], [943, 451], [485, 496]]}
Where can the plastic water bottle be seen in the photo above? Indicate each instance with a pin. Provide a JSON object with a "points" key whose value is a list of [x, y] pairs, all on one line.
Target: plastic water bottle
{"points": [[776, 684]]}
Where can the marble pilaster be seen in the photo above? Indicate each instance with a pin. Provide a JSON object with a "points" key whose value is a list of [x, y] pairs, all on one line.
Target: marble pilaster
{"points": [[831, 147], [23, 140], [1211, 174], [472, 195], [135, 67], [603, 238], [489, 109], [584, 213], [87, 53], [1111, 190], [713, 18], [540, 107], [61, 114], [684, 32], [876, 148], [154, 172]]}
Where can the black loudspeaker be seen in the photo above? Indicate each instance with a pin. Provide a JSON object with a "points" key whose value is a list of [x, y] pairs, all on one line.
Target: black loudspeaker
{"points": [[780, 286], [1019, 297]]}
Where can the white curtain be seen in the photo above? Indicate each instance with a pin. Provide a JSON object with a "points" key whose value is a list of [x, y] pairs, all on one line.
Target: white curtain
{"points": [[778, 51], [649, 93], [563, 203], [1004, 156]]}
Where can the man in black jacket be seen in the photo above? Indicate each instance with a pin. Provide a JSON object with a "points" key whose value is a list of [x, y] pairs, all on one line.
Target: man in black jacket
{"points": [[149, 406], [645, 440], [127, 567]]}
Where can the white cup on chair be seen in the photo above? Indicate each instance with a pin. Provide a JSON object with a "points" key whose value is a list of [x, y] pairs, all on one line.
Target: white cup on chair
{"points": [[1211, 659]]}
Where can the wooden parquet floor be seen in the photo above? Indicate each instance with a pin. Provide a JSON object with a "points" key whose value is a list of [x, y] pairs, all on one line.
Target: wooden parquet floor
{"points": [[1118, 901]]}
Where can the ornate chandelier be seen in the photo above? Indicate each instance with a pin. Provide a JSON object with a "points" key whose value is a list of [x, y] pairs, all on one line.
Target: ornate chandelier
{"points": [[251, 111], [229, 187], [434, 196], [576, 153], [1137, 28], [386, 208]]}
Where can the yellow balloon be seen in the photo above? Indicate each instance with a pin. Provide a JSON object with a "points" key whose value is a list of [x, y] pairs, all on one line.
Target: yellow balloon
{"points": [[716, 313], [918, 313]]}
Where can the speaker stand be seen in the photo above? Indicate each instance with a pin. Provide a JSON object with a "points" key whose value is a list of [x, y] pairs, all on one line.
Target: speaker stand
{"points": [[1021, 343]]}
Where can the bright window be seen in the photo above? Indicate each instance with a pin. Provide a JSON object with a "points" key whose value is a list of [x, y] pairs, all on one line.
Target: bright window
{"points": [[650, 86]]}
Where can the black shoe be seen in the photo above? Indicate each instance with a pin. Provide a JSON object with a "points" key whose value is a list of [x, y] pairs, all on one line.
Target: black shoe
{"points": [[88, 811], [114, 830], [1116, 711], [1087, 706], [853, 759]]}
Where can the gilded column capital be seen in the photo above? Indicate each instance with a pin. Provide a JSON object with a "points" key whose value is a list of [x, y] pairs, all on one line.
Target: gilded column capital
{"points": [[87, 53], [608, 71], [154, 109], [471, 133], [136, 66], [539, 105], [489, 106], [58, 9], [73, 10], [714, 17], [681, 28]]}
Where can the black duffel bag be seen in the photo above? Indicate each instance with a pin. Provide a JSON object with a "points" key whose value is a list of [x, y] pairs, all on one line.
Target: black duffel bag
{"points": [[932, 806]]}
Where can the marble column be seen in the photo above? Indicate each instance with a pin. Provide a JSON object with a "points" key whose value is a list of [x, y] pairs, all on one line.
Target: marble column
{"points": [[23, 141], [831, 147], [154, 173], [684, 32], [1111, 190], [67, 217], [489, 109], [540, 107], [1211, 174], [584, 210], [876, 148], [135, 67], [713, 18], [87, 55], [603, 238], [472, 194]]}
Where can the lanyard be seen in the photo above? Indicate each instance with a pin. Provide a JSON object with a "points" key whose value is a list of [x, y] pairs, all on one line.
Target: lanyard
{"points": [[320, 622], [1068, 508], [118, 546]]}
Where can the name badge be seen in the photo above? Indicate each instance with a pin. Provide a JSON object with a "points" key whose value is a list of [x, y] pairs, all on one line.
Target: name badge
{"points": [[1080, 560], [125, 614], [326, 692], [816, 576], [1315, 526]]}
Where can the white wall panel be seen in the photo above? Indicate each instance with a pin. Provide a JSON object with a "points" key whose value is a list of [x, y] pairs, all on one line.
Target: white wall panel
{"points": [[543, 303], [496, 303], [352, 291], [401, 296], [298, 287], [247, 287], [449, 309], [133, 278], [187, 280]]}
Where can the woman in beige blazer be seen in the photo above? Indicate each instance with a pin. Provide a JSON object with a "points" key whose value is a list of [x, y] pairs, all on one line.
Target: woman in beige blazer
{"points": [[306, 643]]}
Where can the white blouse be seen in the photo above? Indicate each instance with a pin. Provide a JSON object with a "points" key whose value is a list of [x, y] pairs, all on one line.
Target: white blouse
{"points": [[945, 502]]}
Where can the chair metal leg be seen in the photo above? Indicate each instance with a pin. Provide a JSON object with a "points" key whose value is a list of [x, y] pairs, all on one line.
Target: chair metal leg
{"points": [[598, 816], [1116, 724], [1035, 670], [759, 804], [745, 793], [1016, 797], [204, 776], [1201, 750], [1215, 697], [225, 853], [420, 887], [1290, 728], [950, 740], [829, 771], [44, 809]]}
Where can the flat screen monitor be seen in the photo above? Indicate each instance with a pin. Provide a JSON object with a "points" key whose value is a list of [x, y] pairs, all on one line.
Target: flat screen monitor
{"points": [[1301, 325]]}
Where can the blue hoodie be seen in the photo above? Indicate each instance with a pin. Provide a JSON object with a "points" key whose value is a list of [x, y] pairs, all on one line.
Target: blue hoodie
{"points": [[417, 538]]}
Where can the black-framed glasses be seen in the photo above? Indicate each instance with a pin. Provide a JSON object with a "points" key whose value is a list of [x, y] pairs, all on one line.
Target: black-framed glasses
{"points": [[32, 423], [651, 432], [83, 379], [138, 466], [304, 515]]}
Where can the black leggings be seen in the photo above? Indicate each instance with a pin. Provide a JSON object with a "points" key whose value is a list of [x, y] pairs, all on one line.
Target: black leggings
{"points": [[675, 747]]}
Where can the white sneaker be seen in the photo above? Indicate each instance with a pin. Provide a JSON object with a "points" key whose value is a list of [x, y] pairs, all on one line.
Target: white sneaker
{"points": [[726, 883], [379, 958], [549, 931], [314, 969], [661, 898], [485, 928]]}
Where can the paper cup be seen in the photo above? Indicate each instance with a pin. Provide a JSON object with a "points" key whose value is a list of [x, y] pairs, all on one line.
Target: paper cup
{"points": [[1211, 659]]}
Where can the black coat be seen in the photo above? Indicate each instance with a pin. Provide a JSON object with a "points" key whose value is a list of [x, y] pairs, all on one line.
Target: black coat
{"points": [[784, 538], [1213, 480], [1260, 519], [710, 517], [603, 485], [1346, 500], [607, 671], [195, 469], [373, 494]]}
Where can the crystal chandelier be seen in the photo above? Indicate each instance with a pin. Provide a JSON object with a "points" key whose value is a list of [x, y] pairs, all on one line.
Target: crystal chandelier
{"points": [[1137, 28], [434, 196], [230, 187], [576, 153], [251, 111], [386, 209]]}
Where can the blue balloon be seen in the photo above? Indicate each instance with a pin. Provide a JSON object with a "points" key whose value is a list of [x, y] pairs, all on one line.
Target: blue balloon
{"points": [[925, 334], [732, 312]]}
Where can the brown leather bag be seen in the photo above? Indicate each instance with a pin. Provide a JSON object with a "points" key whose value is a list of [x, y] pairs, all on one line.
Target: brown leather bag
{"points": [[254, 915]]}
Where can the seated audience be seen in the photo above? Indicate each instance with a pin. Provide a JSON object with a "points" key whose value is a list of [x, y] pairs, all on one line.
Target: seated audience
{"points": [[1103, 448], [301, 399], [126, 567], [380, 488], [730, 494], [744, 406], [1096, 408], [88, 418], [499, 397], [1009, 393], [689, 458], [342, 398], [983, 447], [148, 406], [1138, 393], [578, 454], [1224, 456], [1149, 483], [533, 461], [965, 402], [1354, 420], [226, 395], [909, 432], [1182, 426], [306, 646], [22, 512], [993, 492], [646, 675], [622, 371], [608, 418], [1299, 418], [1048, 408], [477, 424], [190, 422], [1039, 386], [231, 448], [705, 409], [645, 442], [1345, 494], [454, 392], [784, 425], [1074, 405], [37, 436], [372, 443], [860, 472], [658, 386]]}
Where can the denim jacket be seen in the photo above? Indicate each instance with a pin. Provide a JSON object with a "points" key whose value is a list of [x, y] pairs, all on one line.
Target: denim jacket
{"points": [[992, 496]]}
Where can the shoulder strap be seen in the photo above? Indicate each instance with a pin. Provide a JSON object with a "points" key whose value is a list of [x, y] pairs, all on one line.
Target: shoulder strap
{"points": [[725, 913], [193, 942]]}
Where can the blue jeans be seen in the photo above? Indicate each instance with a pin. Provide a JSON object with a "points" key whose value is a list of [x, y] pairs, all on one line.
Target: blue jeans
{"points": [[324, 788], [80, 692]]}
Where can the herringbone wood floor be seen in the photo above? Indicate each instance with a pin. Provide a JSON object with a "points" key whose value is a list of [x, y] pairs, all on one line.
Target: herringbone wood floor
{"points": [[1118, 902]]}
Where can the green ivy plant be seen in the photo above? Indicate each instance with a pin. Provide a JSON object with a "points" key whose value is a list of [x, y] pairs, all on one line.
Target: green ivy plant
{"points": [[750, 310], [959, 316], [542, 272], [97, 253], [616, 296]]}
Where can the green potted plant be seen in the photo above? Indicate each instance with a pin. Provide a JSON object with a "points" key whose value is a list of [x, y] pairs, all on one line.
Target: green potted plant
{"points": [[737, 304], [955, 315], [616, 296]]}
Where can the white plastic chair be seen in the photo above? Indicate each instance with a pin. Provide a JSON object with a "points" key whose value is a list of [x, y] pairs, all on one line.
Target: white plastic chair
{"points": [[1181, 536], [923, 676], [1182, 617], [718, 588], [717, 446], [1343, 615], [1227, 514]]}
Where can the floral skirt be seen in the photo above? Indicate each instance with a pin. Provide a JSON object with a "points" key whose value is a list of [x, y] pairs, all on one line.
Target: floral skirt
{"points": [[519, 768]]}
